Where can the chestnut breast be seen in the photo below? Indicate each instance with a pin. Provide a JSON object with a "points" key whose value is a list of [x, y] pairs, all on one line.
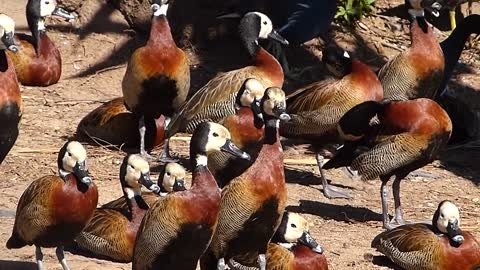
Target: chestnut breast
{"points": [[269, 67], [306, 259], [366, 81], [464, 257], [242, 127], [71, 203]]}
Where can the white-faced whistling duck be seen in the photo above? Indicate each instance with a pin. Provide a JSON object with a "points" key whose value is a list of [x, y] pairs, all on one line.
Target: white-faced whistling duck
{"points": [[10, 97], [418, 71], [185, 220], [39, 62], [110, 233], [408, 135], [157, 79], [171, 179], [112, 123], [53, 210], [441, 245], [216, 99], [316, 109], [253, 203], [292, 248], [246, 129]]}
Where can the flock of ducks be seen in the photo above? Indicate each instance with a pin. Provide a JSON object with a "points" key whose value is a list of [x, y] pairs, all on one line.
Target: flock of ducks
{"points": [[233, 215]]}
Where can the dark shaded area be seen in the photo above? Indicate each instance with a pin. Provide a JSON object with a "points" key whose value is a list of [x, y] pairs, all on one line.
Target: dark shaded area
{"points": [[14, 265], [385, 262], [345, 213]]}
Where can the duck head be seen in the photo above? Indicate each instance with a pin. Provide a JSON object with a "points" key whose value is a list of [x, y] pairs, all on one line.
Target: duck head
{"points": [[37, 10], [250, 95], [135, 172], [417, 7], [274, 105], [172, 178], [447, 220], [255, 26], [294, 230], [72, 159], [337, 60], [209, 137], [7, 31]]}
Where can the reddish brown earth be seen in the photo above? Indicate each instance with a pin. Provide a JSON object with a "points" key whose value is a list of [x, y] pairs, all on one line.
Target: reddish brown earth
{"points": [[93, 65]]}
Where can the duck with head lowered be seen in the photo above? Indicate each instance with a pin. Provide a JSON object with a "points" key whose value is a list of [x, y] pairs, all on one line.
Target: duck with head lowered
{"points": [[441, 245], [216, 100], [10, 96], [39, 62]]}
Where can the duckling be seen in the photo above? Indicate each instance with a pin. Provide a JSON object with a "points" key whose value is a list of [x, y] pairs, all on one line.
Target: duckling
{"points": [[157, 79], [10, 97], [111, 234], [292, 247], [185, 220], [112, 123], [171, 179], [253, 203], [246, 129], [418, 71], [53, 210], [216, 100], [407, 136], [317, 108], [441, 245], [39, 62]]}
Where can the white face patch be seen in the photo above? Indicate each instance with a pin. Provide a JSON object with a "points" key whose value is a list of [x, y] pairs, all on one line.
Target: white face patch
{"points": [[266, 25], [135, 168], [47, 7], [448, 212], [41, 25], [173, 171], [74, 153], [217, 137], [296, 226], [7, 25], [275, 97], [346, 55]]}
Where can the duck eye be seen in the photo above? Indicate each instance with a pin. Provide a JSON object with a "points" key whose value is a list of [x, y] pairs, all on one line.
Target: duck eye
{"points": [[442, 216], [47, 2], [168, 174], [215, 134], [264, 22], [293, 225]]}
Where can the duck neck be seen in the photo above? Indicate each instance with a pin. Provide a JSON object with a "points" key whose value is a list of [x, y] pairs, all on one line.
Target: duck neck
{"points": [[452, 47], [135, 202], [37, 27], [160, 34], [3, 61], [271, 131], [422, 36]]}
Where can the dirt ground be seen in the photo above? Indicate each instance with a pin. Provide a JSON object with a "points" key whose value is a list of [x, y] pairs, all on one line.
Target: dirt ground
{"points": [[94, 60]]}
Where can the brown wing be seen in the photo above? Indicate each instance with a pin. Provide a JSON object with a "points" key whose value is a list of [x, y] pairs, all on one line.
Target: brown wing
{"points": [[279, 258], [106, 235], [398, 78], [33, 213], [390, 153], [312, 96], [213, 102], [410, 246], [158, 227], [237, 205]]}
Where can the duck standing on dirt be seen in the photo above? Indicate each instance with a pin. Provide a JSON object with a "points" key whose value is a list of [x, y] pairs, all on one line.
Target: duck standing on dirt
{"points": [[178, 228], [316, 109], [53, 210], [407, 136], [157, 79], [441, 245], [253, 203], [216, 100], [39, 62], [10, 96]]}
